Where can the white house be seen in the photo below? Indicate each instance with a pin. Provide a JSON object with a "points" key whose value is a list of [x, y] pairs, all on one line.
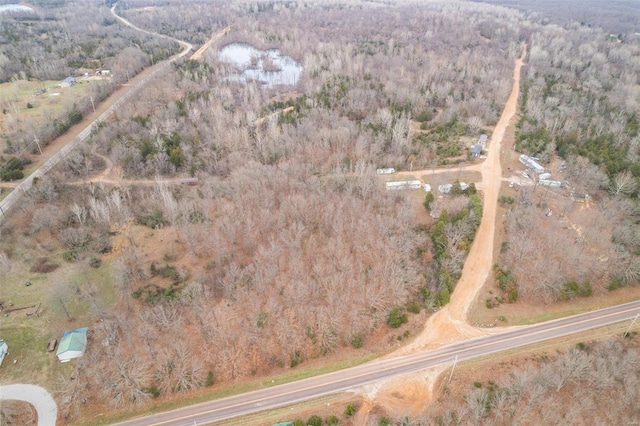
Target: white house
{"points": [[4, 349], [387, 171], [404, 184], [531, 163]]}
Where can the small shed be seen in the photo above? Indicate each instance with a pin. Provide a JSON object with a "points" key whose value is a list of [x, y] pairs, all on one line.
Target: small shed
{"points": [[476, 150], [72, 345], [4, 349]]}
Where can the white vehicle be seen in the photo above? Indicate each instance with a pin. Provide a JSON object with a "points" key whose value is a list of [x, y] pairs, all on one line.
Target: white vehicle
{"points": [[387, 171], [544, 176], [527, 175], [510, 184]]}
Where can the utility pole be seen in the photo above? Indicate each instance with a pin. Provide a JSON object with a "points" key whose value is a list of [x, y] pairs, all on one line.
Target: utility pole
{"points": [[453, 367], [626, 333], [35, 139]]}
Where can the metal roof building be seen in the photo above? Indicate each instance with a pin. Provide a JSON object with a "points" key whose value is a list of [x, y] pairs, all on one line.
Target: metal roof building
{"points": [[72, 345]]}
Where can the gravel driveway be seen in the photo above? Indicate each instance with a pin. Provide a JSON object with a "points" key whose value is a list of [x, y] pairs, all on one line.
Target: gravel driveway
{"points": [[36, 396]]}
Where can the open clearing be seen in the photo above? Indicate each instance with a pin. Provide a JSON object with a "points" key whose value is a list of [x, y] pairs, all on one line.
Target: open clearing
{"points": [[27, 103]]}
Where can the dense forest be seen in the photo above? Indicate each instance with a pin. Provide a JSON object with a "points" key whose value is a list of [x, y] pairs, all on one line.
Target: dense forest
{"points": [[590, 383], [57, 40], [579, 104], [287, 247]]}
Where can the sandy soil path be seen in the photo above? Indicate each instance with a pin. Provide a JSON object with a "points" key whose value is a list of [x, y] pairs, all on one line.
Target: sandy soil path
{"points": [[205, 46], [408, 395], [449, 324]]}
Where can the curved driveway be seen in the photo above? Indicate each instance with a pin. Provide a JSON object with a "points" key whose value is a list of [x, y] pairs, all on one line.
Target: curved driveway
{"points": [[36, 396]]}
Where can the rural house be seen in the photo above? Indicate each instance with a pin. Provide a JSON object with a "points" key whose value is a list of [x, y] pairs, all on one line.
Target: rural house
{"points": [[72, 345]]}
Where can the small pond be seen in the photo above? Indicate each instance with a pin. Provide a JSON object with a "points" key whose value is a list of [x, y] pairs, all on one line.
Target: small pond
{"points": [[8, 8], [269, 67]]}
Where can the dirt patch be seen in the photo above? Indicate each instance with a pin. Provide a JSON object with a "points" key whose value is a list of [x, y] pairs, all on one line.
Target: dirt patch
{"points": [[402, 396]]}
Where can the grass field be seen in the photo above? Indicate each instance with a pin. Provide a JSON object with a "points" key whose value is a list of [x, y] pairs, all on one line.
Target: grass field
{"points": [[27, 104], [59, 292]]}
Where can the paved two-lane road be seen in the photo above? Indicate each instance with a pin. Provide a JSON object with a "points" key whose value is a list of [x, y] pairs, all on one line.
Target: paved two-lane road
{"points": [[355, 377], [21, 188]]}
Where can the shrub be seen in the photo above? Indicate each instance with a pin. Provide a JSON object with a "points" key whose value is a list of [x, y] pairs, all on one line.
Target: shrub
{"points": [[471, 189], [166, 272], [295, 358], [503, 199], [333, 420], [298, 422], [489, 304], [413, 307], [263, 320], [152, 293], [153, 220], [428, 199], [505, 278], [210, 379], [396, 318], [11, 175], [350, 410], [70, 256], [357, 341], [153, 391], [616, 282], [95, 262], [513, 296], [384, 421], [74, 116], [314, 420], [29, 105], [424, 116], [477, 384], [443, 297]]}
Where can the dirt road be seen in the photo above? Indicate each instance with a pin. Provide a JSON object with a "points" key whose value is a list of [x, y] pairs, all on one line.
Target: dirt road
{"points": [[61, 146], [205, 46], [449, 324]]}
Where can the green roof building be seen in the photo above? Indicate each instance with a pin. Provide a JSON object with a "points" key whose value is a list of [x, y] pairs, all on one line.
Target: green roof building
{"points": [[72, 345]]}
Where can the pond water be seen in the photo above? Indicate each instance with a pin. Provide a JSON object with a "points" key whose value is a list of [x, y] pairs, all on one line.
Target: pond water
{"points": [[6, 8], [269, 67]]}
